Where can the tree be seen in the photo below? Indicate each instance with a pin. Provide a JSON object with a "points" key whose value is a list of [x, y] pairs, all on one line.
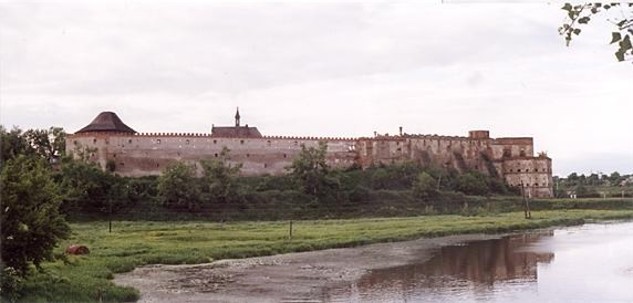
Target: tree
{"points": [[425, 186], [31, 223], [84, 186], [49, 143], [310, 170], [13, 143], [471, 184], [178, 187], [615, 178], [581, 14], [219, 182]]}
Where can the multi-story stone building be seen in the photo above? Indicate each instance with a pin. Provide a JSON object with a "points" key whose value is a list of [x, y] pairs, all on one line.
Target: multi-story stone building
{"points": [[111, 143]]}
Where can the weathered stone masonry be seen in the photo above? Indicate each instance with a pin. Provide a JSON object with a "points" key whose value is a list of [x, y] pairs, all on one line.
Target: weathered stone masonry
{"points": [[113, 143]]}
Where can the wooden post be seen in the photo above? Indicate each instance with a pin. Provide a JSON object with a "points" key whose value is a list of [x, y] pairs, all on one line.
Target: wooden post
{"points": [[525, 202], [290, 230], [110, 218]]}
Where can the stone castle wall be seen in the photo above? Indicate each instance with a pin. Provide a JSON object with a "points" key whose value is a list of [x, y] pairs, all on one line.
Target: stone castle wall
{"points": [[138, 155], [148, 154]]}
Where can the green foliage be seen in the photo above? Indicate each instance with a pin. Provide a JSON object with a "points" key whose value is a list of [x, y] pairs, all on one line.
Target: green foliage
{"points": [[11, 284], [425, 186], [13, 143], [178, 187], [310, 171], [473, 184], [583, 13], [48, 144], [219, 182], [31, 222], [87, 188], [395, 176]]}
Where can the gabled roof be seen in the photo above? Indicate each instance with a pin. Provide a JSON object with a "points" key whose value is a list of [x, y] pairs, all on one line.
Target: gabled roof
{"points": [[106, 122], [235, 132]]}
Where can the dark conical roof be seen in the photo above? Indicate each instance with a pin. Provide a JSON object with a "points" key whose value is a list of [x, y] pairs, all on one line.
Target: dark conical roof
{"points": [[106, 122]]}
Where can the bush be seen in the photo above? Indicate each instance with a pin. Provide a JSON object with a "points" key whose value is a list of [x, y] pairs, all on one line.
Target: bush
{"points": [[472, 184], [31, 223], [425, 186]]}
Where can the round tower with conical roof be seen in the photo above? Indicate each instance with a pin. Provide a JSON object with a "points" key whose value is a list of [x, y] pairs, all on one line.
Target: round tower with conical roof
{"points": [[93, 142]]}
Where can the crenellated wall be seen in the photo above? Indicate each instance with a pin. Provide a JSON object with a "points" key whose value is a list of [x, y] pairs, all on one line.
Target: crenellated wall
{"points": [[148, 154], [135, 154]]}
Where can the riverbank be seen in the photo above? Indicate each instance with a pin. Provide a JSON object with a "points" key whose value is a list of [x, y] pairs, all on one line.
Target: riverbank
{"points": [[134, 244], [292, 277]]}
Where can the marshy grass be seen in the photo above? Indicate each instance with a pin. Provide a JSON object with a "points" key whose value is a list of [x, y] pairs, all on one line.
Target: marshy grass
{"points": [[135, 243]]}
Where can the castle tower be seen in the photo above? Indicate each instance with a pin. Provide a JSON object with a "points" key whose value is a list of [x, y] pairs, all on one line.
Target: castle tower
{"points": [[237, 117]]}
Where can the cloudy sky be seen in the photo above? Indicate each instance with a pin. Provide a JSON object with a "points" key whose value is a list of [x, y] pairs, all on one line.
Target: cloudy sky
{"points": [[324, 68]]}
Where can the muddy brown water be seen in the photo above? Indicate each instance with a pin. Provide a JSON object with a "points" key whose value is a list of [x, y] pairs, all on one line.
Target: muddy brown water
{"points": [[589, 263]]}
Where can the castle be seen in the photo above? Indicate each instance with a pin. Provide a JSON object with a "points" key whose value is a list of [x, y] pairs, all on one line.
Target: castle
{"points": [[112, 144]]}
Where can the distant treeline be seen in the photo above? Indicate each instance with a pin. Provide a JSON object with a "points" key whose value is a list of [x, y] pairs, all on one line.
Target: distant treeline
{"points": [[595, 185]]}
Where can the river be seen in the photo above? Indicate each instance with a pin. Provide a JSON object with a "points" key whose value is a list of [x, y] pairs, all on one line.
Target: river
{"points": [[589, 263]]}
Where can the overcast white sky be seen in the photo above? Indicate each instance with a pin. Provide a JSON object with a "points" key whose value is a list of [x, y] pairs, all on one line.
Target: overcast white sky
{"points": [[322, 69]]}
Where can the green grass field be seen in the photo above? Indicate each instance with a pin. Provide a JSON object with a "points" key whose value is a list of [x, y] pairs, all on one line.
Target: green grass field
{"points": [[131, 244]]}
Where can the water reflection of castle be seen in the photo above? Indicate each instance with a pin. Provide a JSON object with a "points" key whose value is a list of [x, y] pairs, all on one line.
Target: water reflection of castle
{"points": [[480, 263]]}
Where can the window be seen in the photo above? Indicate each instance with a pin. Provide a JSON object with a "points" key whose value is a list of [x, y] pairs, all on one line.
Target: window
{"points": [[215, 141], [216, 155], [157, 141], [265, 165], [129, 141], [248, 155], [535, 184], [507, 152], [94, 141], [241, 141], [268, 142], [285, 155], [518, 170], [187, 142]]}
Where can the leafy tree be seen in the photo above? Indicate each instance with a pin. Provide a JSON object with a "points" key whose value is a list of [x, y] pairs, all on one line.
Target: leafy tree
{"points": [[472, 184], [31, 223], [13, 143], [178, 187], [615, 178], [310, 170], [581, 14], [425, 186], [219, 182], [86, 187], [49, 143]]}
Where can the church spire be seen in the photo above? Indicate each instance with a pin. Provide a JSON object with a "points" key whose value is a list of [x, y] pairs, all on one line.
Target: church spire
{"points": [[237, 117]]}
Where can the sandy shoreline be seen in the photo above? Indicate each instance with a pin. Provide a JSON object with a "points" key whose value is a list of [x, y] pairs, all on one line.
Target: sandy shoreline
{"points": [[293, 277]]}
